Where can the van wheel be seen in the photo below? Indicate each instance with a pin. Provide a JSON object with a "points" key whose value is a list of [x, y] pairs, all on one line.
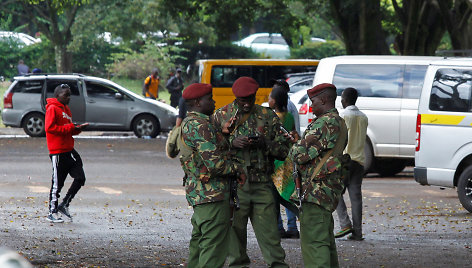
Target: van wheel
{"points": [[33, 125], [146, 125], [464, 189], [389, 166], [369, 158]]}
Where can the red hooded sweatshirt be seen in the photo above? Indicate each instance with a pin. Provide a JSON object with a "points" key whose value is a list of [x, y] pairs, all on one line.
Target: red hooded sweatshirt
{"points": [[59, 127]]}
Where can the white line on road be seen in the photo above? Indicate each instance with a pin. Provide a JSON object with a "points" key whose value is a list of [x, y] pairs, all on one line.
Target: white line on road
{"points": [[38, 189], [107, 190], [83, 137], [175, 191]]}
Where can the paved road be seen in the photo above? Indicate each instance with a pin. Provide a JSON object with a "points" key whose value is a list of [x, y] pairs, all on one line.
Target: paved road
{"points": [[132, 213]]}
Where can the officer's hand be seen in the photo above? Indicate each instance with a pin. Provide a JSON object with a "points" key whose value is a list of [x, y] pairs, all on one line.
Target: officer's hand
{"points": [[242, 178], [241, 142], [257, 142], [228, 125], [294, 136]]}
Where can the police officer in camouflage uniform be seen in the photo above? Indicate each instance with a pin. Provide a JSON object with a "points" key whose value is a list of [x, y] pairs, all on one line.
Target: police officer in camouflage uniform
{"points": [[256, 138], [320, 194], [207, 189]]}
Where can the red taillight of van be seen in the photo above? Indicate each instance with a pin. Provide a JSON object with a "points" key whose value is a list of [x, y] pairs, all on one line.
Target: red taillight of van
{"points": [[8, 101], [418, 132], [305, 109]]}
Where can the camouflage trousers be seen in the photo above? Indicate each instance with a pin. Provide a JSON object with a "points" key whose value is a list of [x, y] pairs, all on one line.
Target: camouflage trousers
{"points": [[317, 237], [257, 204], [209, 242]]}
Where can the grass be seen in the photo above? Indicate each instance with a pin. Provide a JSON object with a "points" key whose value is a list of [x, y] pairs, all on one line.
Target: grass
{"points": [[134, 85], [137, 87]]}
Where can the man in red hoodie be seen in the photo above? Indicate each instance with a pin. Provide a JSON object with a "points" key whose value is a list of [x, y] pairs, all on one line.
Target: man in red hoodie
{"points": [[65, 159]]}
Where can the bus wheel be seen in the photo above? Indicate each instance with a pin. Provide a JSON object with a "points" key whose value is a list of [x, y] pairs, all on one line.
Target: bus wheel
{"points": [[464, 188]]}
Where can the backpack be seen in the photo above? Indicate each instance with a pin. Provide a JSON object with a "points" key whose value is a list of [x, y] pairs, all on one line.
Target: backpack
{"points": [[148, 84], [175, 143]]}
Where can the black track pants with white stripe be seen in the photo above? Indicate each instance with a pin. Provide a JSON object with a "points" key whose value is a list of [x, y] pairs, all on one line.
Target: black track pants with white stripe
{"points": [[63, 164]]}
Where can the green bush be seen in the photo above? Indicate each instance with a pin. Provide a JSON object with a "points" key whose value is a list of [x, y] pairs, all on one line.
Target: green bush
{"points": [[139, 64], [192, 54], [92, 55], [319, 50], [38, 55]]}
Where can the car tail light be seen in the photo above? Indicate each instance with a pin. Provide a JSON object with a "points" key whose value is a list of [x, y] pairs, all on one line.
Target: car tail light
{"points": [[303, 109], [8, 101], [418, 132]]}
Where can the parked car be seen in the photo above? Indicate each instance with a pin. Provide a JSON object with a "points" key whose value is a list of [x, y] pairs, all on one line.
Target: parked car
{"points": [[21, 38], [272, 45], [300, 82], [443, 128], [103, 104], [389, 88]]}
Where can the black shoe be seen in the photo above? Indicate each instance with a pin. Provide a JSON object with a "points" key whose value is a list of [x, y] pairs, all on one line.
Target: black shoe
{"points": [[355, 237], [282, 233], [53, 217], [64, 211], [292, 234]]}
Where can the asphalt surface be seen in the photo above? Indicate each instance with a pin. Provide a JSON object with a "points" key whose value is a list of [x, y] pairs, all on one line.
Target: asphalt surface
{"points": [[132, 212]]}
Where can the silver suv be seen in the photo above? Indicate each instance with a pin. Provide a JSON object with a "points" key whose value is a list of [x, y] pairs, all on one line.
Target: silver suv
{"points": [[101, 103]]}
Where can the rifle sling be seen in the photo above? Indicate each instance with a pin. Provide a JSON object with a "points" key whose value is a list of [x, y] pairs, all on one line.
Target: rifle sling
{"points": [[338, 148]]}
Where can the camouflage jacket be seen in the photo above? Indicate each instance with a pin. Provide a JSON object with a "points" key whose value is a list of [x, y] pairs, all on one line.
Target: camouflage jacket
{"points": [[320, 136], [258, 161], [208, 160]]}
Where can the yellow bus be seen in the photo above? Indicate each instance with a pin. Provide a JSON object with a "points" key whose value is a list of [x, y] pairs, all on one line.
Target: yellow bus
{"points": [[222, 73]]}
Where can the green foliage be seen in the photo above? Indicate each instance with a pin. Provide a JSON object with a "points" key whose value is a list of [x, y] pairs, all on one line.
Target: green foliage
{"points": [[91, 55], [192, 54], [39, 55], [137, 65], [319, 50]]}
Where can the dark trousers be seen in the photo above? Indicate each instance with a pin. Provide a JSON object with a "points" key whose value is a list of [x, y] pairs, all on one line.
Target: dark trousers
{"points": [[174, 98], [62, 165], [354, 187]]}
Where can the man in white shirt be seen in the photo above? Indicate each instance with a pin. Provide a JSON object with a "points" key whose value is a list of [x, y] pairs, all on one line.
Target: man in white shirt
{"points": [[356, 122]]}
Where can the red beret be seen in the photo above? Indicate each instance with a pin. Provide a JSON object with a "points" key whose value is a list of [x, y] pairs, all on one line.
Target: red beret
{"points": [[196, 90], [319, 88], [245, 86]]}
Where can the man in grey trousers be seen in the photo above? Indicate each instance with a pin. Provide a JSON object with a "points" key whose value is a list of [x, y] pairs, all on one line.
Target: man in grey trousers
{"points": [[356, 122]]}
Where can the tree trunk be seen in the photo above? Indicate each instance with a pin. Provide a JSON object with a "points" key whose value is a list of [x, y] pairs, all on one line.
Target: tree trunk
{"points": [[422, 27], [63, 59], [458, 21], [360, 24]]}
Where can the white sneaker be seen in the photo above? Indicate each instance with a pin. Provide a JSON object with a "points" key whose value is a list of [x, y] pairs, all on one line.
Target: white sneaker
{"points": [[54, 217]]}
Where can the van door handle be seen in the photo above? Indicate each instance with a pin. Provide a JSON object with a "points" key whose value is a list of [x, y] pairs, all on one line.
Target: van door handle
{"points": [[91, 101]]}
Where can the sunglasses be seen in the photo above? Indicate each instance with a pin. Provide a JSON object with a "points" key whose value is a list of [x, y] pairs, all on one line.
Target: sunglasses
{"points": [[65, 86]]}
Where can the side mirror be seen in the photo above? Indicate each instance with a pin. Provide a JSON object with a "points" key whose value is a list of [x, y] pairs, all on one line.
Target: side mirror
{"points": [[118, 96]]}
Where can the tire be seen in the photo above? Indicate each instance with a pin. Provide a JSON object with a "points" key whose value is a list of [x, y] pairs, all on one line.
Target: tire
{"points": [[33, 125], [369, 158], [388, 167], [464, 188], [146, 125]]}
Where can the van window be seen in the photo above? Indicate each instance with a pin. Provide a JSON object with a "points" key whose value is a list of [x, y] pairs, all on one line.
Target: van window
{"points": [[29, 86], [451, 91], [370, 80], [413, 81], [52, 84]]}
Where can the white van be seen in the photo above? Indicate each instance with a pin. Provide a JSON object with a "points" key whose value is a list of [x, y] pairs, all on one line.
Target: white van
{"points": [[444, 128], [389, 88]]}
